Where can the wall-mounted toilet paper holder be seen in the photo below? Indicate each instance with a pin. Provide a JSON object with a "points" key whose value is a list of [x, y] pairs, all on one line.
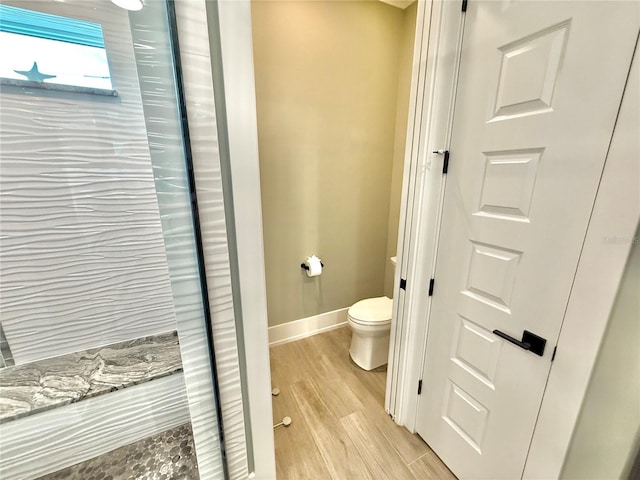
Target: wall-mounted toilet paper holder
{"points": [[312, 266], [306, 267]]}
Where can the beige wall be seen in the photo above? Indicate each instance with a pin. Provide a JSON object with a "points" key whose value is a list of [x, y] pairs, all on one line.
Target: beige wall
{"points": [[606, 439], [326, 87], [402, 113]]}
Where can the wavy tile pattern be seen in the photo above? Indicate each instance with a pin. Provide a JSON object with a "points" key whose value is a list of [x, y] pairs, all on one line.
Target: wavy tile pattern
{"points": [[196, 62], [172, 291], [55, 439], [158, 92], [165, 209], [82, 252], [54, 382]]}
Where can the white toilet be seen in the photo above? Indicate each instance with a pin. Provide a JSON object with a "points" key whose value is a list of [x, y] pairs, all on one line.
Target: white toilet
{"points": [[370, 323]]}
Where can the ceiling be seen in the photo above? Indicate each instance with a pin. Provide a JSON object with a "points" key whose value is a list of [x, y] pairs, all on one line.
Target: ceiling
{"points": [[399, 3]]}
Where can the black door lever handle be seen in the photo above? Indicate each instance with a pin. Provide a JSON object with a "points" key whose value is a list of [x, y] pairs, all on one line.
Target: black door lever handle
{"points": [[515, 341], [530, 341]]}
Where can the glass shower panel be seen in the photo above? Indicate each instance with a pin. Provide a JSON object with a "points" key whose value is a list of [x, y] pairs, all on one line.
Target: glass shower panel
{"points": [[106, 370]]}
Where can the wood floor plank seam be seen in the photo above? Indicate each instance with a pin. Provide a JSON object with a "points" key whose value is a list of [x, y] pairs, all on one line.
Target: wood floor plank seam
{"points": [[340, 430], [342, 459]]}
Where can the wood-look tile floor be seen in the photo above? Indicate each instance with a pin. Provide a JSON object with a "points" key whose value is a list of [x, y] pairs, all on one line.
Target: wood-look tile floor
{"points": [[340, 430]]}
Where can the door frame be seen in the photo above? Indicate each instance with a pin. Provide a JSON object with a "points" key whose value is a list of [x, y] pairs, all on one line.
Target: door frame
{"points": [[434, 81], [436, 57], [435, 65], [230, 39]]}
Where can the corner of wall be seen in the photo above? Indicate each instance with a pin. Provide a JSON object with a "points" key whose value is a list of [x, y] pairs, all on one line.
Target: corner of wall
{"points": [[402, 118]]}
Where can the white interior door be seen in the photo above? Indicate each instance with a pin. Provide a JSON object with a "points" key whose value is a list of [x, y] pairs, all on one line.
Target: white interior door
{"points": [[539, 89]]}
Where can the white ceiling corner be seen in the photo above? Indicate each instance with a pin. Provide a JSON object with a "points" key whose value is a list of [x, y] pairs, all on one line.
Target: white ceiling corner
{"points": [[399, 3]]}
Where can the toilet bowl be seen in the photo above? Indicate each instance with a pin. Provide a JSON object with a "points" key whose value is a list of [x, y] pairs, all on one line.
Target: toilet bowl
{"points": [[370, 323]]}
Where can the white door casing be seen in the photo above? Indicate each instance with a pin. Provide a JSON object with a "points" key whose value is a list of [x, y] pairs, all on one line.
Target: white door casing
{"points": [[539, 90], [438, 36]]}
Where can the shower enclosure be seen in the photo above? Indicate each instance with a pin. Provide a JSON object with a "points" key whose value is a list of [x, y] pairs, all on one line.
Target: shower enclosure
{"points": [[107, 368]]}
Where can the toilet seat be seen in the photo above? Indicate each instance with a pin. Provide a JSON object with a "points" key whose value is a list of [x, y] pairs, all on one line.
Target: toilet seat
{"points": [[371, 311]]}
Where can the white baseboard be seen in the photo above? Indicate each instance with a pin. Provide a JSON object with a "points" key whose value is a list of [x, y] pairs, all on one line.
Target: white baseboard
{"points": [[305, 327]]}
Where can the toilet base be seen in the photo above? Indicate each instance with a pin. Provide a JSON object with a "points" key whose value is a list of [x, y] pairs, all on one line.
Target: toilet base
{"points": [[369, 349]]}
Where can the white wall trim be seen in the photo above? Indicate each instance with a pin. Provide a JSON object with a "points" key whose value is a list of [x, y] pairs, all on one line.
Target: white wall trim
{"points": [[306, 327], [397, 341], [445, 44], [236, 45], [437, 61]]}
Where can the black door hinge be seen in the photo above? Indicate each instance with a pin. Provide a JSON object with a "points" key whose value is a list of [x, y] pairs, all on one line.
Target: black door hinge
{"points": [[464, 5], [403, 284], [445, 162], [432, 283], [553, 355], [419, 387]]}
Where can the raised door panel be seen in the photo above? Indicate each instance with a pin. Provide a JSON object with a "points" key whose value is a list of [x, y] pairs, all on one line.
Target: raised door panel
{"points": [[527, 153]]}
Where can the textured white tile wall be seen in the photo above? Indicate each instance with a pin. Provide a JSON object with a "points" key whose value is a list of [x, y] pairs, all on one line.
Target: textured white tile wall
{"points": [[50, 441], [155, 69], [171, 214], [82, 251], [196, 63]]}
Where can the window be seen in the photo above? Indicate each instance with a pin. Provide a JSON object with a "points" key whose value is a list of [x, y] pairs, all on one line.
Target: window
{"points": [[40, 49]]}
